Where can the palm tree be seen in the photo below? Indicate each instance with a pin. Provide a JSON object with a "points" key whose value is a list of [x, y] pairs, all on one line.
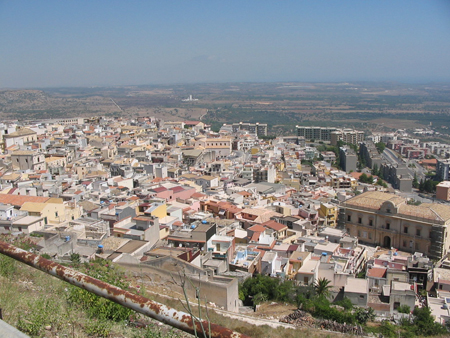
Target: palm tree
{"points": [[322, 286]]}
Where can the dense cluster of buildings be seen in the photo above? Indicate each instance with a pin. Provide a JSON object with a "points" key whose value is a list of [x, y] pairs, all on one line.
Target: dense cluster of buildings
{"points": [[221, 206]]}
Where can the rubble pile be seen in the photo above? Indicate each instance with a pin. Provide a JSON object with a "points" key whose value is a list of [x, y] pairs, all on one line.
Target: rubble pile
{"points": [[300, 318], [331, 325]]}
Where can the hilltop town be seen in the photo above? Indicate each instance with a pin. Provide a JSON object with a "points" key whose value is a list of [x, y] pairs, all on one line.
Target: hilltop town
{"points": [[367, 213]]}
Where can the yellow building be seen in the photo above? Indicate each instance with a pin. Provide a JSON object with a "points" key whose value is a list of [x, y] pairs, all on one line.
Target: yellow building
{"points": [[156, 209], [53, 211], [296, 261], [329, 212]]}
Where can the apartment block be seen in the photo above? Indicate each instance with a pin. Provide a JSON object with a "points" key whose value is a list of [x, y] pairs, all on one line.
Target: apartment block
{"points": [[348, 159], [370, 153], [315, 133], [346, 135], [259, 129]]}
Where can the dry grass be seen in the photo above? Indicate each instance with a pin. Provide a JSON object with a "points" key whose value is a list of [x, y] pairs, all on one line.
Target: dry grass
{"points": [[35, 303]]}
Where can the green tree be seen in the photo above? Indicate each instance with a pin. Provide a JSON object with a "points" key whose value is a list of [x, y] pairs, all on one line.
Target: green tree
{"points": [[375, 170], [425, 324], [305, 293], [322, 286], [285, 292], [363, 178], [421, 184], [415, 182], [380, 146], [260, 284]]}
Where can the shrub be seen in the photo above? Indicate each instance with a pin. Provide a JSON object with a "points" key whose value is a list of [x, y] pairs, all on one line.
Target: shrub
{"points": [[285, 292], [264, 285], [362, 315], [323, 310], [387, 329], [98, 328], [345, 303], [94, 305], [404, 309]]}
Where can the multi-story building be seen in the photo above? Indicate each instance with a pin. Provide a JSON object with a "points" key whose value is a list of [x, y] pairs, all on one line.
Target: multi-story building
{"points": [[264, 174], [347, 136], [348, 159], [397, 175], [23, 136], [259, 129], [443, 191], [220, 146], [315, 133], [370, 153], [442, 170], [329, 213], [28, 160], [387, 220]]}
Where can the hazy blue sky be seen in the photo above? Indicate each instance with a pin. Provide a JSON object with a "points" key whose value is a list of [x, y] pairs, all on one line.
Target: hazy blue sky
{"points": [[90, 43]]}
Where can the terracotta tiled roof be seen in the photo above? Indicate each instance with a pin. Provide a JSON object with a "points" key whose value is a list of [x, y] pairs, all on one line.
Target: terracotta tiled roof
{"points": [[257, 228], [274, 225], [376, 272], [19, 200]]}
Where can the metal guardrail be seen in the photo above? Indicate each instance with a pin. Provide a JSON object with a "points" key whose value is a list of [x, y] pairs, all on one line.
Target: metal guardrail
{"points": [[160, 312]]}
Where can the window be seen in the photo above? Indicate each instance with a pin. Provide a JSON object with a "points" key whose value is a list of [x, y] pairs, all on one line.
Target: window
{"points": [[405, 230], [349, 218], [388, 211], [404, 243], [359, 220], [359, 233], [388, 226], [364, 234], [371, 222], [411, 244], [417, 232], [361, 296], [370, 235]]}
